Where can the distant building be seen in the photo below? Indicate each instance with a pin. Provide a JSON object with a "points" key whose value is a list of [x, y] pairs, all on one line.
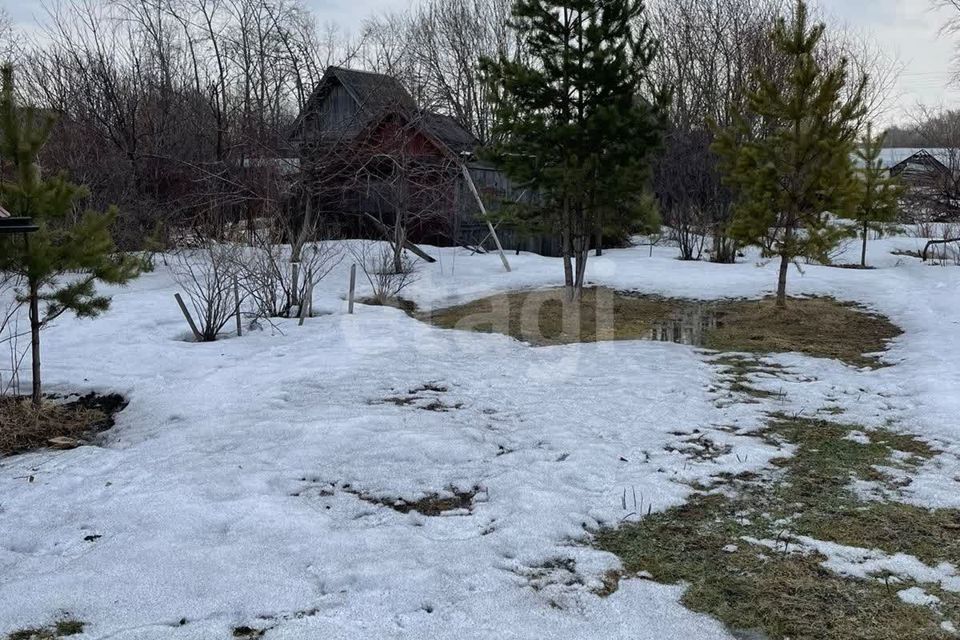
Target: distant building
{"points": [[931, 178]]}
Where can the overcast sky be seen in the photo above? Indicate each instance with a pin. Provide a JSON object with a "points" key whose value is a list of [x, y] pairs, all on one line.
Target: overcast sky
{"points": [[907, 29]]}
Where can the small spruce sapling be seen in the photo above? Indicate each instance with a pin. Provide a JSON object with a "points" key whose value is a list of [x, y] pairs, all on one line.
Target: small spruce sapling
{"points": [[61, 263], [880, 193], [789, 158]]}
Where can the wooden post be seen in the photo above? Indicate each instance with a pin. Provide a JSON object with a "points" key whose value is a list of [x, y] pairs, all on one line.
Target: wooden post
{"points": [[236, 300], [353, 287], [307, 302], [186, 314], [483, 212]]}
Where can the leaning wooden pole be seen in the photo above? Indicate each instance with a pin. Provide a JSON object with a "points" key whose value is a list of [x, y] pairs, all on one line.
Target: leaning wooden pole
{"points": [[186, 314], [483, 212]]}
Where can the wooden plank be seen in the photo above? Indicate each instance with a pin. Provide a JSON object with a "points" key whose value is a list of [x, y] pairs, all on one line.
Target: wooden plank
{"points": [[483, 212], [409, 246], [186, 314]]}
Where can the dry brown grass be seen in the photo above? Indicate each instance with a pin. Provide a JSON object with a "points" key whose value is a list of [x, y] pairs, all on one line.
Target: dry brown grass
{"points": [[820, 327], [542, 317], [24, 427]]}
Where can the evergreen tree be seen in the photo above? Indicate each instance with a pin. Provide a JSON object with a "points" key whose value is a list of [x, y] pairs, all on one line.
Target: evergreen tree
{"points": [[880, 192], [61, 262], [789, 156], [571, 119]]}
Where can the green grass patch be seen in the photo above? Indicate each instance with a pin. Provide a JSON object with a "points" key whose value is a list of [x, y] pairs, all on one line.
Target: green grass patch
{"points": [[787, 594]]}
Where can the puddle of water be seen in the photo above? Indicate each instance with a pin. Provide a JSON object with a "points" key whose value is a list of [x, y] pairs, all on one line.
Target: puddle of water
{"points": [[688, 326]]}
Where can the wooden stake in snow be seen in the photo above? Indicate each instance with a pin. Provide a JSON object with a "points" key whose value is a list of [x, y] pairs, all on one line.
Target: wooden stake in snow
{"points": [[236, 300], [186, 314], [353, 287], [307, 303], [483, 212]]}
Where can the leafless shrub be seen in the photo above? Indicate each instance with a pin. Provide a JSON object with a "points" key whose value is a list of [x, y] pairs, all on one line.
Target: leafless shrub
{"points": [[207, 275], [10, 334], [378, 263], [268, 274]]}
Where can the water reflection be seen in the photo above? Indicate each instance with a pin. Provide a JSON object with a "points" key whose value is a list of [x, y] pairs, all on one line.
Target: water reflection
{"points": [[687, 326]]}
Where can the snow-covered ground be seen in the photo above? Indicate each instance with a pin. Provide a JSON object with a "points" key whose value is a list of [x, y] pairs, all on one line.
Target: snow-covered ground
{"points": [[240, 486]]}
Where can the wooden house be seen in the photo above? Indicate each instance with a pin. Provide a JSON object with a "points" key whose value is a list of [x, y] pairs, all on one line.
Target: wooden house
{"points": [[931, 178], [368, 153]]}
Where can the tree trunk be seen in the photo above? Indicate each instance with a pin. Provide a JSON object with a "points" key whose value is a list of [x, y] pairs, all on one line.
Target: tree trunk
{"points": [[581, 270], [782, 281], [599, 239], [863, 252], [296, 251], [35, 340], [567, 249]]}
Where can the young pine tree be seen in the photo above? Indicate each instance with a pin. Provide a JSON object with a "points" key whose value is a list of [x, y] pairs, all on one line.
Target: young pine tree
{"points": [[880, 193], [789, 158], [61, 262], [571, 119]]}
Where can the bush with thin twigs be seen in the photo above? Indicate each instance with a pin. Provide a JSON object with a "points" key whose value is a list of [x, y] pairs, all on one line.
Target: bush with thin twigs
{"points": [[10, 333], [378, 262], [268, 277], [207, 275]]}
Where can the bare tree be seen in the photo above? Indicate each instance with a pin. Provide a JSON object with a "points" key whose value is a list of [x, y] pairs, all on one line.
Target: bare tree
{"points": [[434, 48], [710, 51], [11, 43], [402, 180], [713, 51]]}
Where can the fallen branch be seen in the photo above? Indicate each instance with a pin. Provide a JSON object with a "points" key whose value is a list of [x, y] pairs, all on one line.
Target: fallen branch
{"points": [[926, 249]]}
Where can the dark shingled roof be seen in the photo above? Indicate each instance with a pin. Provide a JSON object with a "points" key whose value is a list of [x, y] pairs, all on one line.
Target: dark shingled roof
{"points": [[450, 132], [374, 91], [379, 94]]}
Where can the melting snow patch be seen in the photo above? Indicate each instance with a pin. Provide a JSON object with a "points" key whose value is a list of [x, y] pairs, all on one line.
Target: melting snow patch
{"points": [[857, 436], [917, 596], [870, 563]]}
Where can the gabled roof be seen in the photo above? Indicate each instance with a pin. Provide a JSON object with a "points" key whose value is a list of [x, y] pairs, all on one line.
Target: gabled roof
{"points": [[373, 92], [895, 156], [4, 213], [379, 95]]}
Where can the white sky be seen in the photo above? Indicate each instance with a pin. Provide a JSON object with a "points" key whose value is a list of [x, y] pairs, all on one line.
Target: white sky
{"points": [[907, 29]]}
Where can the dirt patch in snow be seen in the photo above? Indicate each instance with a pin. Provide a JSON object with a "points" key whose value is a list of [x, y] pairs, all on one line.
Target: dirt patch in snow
{"points": [[821, 327], [62, 423], [60, 629], [434, 504], [447, 502], [426, 397]]}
